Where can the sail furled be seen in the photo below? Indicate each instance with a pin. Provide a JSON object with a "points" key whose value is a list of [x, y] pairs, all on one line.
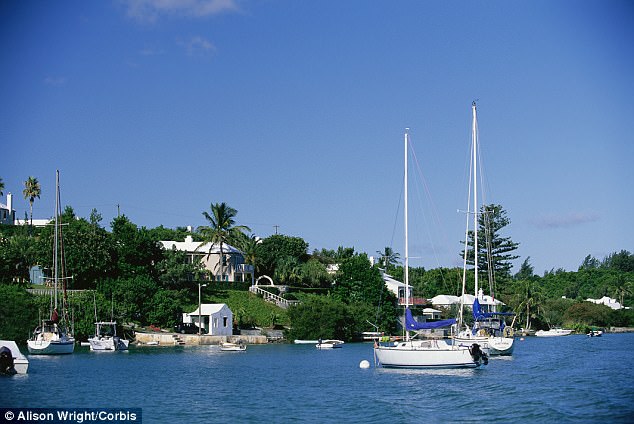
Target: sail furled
{"points": [[479, 315], [412, 324]]}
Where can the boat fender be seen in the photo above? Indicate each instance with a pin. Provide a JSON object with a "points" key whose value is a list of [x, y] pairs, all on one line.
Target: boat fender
{"points": [[6, 361]]}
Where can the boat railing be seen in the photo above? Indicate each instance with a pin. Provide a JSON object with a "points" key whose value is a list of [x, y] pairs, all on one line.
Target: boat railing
{"points": [[48, 291]]}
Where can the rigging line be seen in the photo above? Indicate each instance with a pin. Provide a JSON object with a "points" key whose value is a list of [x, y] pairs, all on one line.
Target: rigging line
{"points": [[435, 216]]}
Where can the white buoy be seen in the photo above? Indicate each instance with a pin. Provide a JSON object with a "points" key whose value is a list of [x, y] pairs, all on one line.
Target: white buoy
{"points": [[364, 364]]}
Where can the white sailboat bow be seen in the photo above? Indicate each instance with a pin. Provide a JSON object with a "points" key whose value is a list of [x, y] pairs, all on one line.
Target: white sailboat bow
{"points": [[419, 353]]}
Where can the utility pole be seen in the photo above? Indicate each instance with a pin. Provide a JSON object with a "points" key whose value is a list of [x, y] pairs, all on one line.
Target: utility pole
{"points": [[276, 227]]}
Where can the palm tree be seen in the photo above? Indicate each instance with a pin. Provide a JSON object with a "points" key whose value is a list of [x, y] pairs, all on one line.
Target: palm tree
{"points": [[528, 299], [388, 257], [31, 191], [221, 230], [1, 187], [621, 288]]}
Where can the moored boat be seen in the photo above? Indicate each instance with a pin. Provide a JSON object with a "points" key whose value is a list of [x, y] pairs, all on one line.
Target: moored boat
{"points": [[12, 361], [53, 337], [233, 347], [418, 353], [553, 332], [106, 339], [329, 344]]}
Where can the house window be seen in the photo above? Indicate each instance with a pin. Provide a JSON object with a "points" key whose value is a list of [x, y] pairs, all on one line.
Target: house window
{"points": [[224, 322]]}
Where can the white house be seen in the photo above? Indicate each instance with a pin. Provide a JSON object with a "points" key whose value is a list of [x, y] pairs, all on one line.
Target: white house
{"points": [[607, 301], [7, 213], [216, 318], [233, 269]]}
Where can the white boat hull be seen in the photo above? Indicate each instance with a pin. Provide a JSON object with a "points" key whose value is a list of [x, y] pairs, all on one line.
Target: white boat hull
{"points": [[425, 354], [51, 347], [20, 362], [108, 343], [493, 346], [233, 347], [553, 333], [329, 344]]}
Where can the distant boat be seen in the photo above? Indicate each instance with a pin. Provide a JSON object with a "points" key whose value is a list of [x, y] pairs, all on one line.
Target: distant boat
{"points": [[418, 353], [329, 344], [106, 339], [553, 332], [306, 341], [12, 361], [53, 336], [233, 347], [595, 332]]}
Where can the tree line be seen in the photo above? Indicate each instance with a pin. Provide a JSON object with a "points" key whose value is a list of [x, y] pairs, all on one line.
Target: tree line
{"points": [[342, 293]]}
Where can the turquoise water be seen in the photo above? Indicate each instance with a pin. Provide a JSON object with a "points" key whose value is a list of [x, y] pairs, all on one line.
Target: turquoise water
{"points": [[561, 379]]}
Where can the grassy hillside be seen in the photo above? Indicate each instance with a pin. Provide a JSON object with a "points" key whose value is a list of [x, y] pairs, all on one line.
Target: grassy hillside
{"points": [[248, 309]]}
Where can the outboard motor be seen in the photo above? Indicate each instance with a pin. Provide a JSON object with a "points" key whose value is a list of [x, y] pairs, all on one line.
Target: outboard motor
{"points": [[478, 355], [6, 361]]}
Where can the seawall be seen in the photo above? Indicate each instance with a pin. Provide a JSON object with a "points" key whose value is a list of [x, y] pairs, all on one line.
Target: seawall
{"points": [[175, 339]]}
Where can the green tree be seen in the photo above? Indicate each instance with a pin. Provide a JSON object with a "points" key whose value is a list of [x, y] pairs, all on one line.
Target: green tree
{"points": [[621, 288], [494, 251], [89, 250], [526, 300], [137, 251], [275, 249], [18, 314], [315, 275], [221, 229], [357, 282], [526, 270], [2, 188], [389, 258], [32, 191]]}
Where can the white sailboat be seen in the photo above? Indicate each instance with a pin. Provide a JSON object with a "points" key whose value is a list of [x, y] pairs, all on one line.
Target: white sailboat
{"points": [[489, 327], [53, 336], [420, 353]]}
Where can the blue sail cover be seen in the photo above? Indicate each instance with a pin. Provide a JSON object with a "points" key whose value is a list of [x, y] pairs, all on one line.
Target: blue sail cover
{"points": [[478, 314], [412, 324]]}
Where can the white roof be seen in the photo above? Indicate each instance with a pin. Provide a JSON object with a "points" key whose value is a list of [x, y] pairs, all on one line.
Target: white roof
{"points": [[431, 311], [389, 280], [189, 245], [444, 299], [208, 309]]}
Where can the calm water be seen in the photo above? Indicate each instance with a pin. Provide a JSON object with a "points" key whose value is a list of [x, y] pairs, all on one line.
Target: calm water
{"points": [[562, 379]]}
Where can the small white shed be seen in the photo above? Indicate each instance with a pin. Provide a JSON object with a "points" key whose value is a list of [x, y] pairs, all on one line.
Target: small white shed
{"points": [[217, 319]]}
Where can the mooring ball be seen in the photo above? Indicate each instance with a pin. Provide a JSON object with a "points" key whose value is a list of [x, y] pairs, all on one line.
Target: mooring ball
{"points": [[364, 364]]}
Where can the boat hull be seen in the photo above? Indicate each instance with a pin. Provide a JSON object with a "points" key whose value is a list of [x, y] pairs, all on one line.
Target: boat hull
{"points": [[553, 333], [108, 344], [329, 344], [233, 347], [20, 362], [425, 354], [501, 346], [52, 347], [493, 346]]}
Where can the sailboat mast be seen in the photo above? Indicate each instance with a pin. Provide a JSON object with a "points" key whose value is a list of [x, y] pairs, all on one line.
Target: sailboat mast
{"points": [[406, 226], [474, 141], [55, 246], [406, 233]]}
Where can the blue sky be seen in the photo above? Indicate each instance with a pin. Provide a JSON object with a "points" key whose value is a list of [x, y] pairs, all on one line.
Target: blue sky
{"points": [[293, 113]]}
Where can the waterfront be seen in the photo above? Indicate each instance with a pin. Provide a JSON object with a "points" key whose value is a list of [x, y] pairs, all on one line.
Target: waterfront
{"points": [[562, 379]]}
